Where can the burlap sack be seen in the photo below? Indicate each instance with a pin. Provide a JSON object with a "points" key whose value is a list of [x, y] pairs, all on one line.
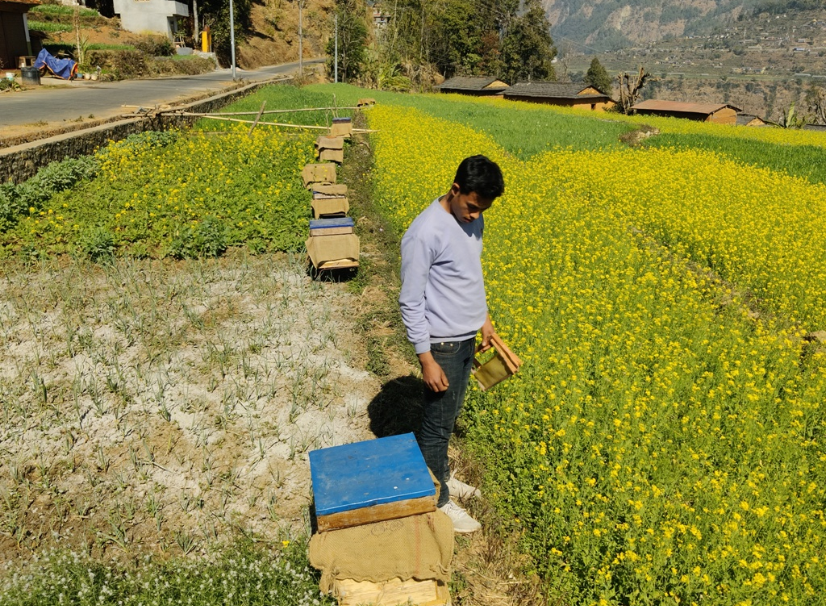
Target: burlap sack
{"points": [[416, 547]]}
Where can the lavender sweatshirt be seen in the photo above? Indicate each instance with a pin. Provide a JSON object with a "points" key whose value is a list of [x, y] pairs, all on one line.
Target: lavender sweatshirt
{"points": [[443, 290]]}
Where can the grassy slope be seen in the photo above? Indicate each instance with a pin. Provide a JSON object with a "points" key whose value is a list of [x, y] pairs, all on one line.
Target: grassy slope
{"points": [[541, 128], [805, 161], [535, 131]]}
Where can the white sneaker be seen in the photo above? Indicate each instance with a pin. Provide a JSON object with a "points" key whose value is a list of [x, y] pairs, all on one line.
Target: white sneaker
{"points": [[462, 522], [460, 490]]}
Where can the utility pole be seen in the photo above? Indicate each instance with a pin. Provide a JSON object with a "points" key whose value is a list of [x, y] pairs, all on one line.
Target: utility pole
{"points": [[300, 41], [196, 43], [336, 60], [232, 36]]}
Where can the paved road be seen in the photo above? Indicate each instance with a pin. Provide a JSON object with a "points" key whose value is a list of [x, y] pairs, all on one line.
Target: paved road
{"points": [[71, 100]]}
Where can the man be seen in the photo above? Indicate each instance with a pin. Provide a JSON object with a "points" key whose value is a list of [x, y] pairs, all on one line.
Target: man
{"points": [[443, 307]]}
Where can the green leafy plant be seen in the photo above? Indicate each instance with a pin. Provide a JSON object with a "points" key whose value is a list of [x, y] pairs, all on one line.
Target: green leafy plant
{"points": [[205, 239], [98, 243]]}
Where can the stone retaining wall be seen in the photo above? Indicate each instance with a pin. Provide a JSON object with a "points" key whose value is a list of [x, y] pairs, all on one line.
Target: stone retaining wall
{"points": [[22, 162]]}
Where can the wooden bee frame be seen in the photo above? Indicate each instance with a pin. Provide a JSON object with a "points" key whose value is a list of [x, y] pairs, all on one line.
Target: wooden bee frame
{"points": [[503, 364]]}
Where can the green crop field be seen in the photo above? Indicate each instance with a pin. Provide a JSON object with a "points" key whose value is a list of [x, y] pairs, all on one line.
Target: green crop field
{"points": [[663, 442]]}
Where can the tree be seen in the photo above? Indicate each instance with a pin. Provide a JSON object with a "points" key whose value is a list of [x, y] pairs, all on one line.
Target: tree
{"points": [[352, 40], [815, 100], [630, 89], [527, 48], [215, 14], [597, 76]]}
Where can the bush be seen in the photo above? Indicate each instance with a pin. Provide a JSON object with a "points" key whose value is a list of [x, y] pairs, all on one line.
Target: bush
{"points": [[29, 196], [205, 239], [122, 63], [189, 65], [156, 47], [98, 243]]}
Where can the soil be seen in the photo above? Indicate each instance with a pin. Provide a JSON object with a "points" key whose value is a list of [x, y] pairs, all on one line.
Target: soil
{"points": [[148, 401], [275, 32]]}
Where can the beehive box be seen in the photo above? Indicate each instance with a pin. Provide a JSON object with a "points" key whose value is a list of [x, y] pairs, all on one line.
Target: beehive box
{"points": [[391, 593], [330, 149], [330, 189], [341, 127], [318, 174], [370, 481], [331, 227], [330, 207], [333, 252]]}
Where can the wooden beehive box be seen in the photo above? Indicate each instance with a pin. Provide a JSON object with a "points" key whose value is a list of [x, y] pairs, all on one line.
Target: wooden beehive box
{"points": [[331, 227], [330, 189], [370, 481], [391, 593], [330, 206], [330, 149], [341, 127], [318, 174], [498, 367], [333, 252], [365, 102]]}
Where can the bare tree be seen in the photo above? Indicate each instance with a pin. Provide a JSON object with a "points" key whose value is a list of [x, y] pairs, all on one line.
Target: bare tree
{"points": [[816, 104], [630, 89]]}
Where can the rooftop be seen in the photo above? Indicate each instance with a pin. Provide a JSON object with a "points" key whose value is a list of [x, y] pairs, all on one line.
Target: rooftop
{"points": [[558, 90], [472, 83], [682, 108]]}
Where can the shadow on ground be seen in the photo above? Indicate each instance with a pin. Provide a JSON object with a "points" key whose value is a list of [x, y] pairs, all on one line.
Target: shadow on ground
{"points": [[397, 408]]}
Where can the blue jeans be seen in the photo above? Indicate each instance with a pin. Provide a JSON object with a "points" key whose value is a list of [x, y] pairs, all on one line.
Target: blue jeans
{"points": [[441, 409]]}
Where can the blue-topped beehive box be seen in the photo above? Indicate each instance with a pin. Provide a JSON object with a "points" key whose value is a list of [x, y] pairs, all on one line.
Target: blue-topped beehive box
{"points": [[370, 481]]}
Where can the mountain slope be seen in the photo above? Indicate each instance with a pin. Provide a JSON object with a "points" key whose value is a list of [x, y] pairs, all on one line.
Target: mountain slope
{"points": [[611, 24]]}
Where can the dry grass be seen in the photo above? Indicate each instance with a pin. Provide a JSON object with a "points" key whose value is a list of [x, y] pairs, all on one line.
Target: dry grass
{"points": [[169, 406]]}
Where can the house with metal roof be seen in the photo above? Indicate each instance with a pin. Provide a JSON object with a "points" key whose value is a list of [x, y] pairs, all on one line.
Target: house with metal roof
{"points": [[744, 119], [14, 32], [721, 113], [567, 94], [156, 16], [478, 86]]}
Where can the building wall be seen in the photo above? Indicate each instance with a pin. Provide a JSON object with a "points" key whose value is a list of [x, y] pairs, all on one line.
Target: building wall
{"points": [[593, 104], [472, 93], [724, 116], [683, 115], [12, 38], [149, 15]]}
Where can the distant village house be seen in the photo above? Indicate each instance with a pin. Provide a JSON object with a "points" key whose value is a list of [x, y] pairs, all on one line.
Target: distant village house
{"points": [[749, 120], [560, 93], [720, 113], [155, 16], [477, 86], [15, 41]]}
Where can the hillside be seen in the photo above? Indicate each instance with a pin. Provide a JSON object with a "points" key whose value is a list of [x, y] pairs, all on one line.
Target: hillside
{"points": [[600, 25], [274, 35], [762, 62]]}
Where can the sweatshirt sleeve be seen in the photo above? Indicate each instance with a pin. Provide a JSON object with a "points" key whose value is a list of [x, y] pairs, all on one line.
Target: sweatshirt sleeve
{"points": [[417, 258]]}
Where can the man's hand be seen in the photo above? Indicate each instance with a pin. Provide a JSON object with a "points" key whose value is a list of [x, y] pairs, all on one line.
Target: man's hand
{"points": [[432, 374], [487, 332]]}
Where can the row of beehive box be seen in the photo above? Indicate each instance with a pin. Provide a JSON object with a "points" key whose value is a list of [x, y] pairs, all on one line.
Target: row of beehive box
{"points": [[332, 243]]}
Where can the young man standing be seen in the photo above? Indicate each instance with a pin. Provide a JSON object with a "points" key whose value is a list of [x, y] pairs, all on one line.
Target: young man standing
{"points": [[443, 307]]}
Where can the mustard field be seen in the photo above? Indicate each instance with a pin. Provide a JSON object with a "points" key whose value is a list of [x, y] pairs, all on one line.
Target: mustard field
{"points": [[663, 442]]}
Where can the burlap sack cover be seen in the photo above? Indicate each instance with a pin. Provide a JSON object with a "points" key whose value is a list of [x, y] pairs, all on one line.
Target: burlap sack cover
{"points": [[416, 547]]}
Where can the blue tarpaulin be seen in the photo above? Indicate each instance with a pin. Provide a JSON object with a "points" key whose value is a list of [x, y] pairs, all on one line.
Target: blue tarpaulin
{"points": [[62, 68]]}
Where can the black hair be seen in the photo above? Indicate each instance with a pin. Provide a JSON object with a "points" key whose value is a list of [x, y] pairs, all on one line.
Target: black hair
{"points": [[482, 175]]}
